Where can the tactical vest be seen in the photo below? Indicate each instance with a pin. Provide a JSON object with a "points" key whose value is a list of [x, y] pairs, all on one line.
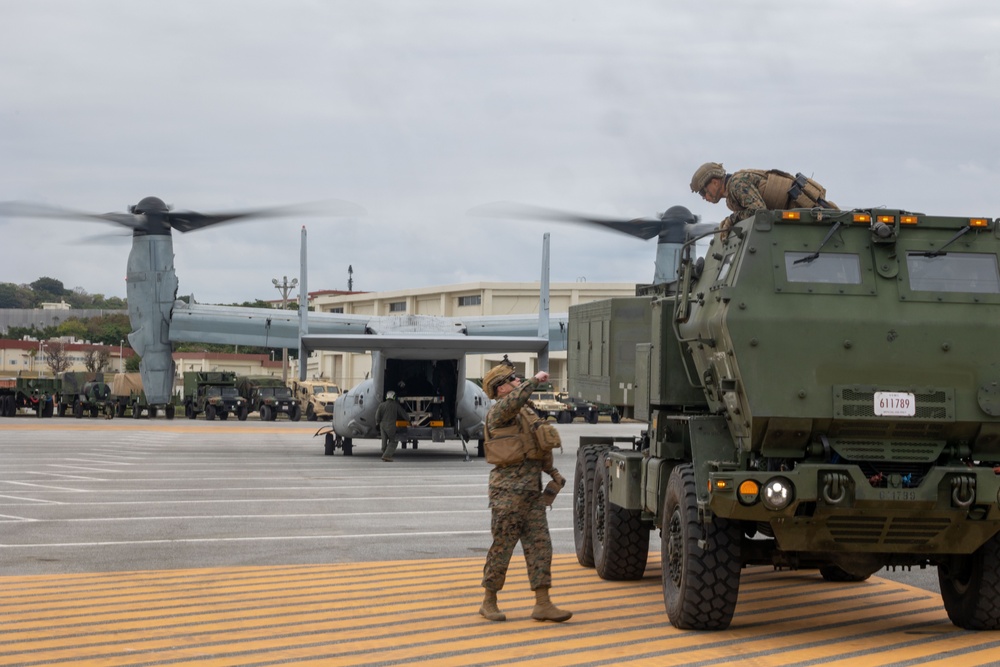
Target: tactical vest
{"points": [[781, 190], [512, 444]]}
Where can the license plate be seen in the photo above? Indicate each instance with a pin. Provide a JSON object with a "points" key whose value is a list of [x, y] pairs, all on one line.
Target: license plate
{"points": [[895, 404]]}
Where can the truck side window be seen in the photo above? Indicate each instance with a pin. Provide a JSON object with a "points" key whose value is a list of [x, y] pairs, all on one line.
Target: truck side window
{"points": [[828, 267], [954, 272]]}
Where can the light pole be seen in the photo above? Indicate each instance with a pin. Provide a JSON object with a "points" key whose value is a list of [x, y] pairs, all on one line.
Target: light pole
{"points": [[121, 351], [285, 287]]}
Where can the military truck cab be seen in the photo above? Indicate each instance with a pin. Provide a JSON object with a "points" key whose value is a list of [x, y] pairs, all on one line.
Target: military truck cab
{"points": [[315, 398], [213, 393], [822, 391]]}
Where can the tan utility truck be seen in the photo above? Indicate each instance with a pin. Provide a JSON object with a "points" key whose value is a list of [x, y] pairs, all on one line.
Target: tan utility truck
{"points": [[315, 397]]}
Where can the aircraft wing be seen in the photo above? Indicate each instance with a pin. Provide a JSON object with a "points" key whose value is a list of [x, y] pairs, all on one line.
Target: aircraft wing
{"points": [[423, 345], [268, 327]]}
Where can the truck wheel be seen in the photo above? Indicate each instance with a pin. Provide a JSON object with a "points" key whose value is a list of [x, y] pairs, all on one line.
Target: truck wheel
{"points": [[310, 413], [63, 409], [296, 413], [970, 587], [265, 413], [189, 411], [78, 409], [242, 416], [592, 417], [700, 584], [136, 412], [93, 412], [565, 417], [620, 539], [583, 505], [210, 412], [170, 411]]}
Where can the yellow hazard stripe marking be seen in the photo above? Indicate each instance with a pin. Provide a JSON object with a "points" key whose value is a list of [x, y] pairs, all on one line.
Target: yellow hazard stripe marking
{"points": [[425, 613]]}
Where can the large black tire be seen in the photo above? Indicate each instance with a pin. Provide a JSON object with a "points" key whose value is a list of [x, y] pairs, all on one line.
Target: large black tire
{"points": [[189, 411], [223, 415], [78, 409], [583, 505], [970, 587], [700, 585], [565, 417], [619, 537], [295, 414], [242, 415], [310, 413], [348, 447], [593, 417], [329, 446], [265, 413], [170, 411], [210, 412]]}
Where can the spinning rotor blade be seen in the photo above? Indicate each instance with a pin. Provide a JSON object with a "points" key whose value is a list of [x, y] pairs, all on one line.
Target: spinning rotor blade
{"points": [[186, 221], [15, 209], [642, 228]]}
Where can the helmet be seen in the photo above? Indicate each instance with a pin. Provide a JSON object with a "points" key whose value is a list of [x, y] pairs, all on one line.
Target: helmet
{"points": [[390, 395], [705, 173], [495, 377]]}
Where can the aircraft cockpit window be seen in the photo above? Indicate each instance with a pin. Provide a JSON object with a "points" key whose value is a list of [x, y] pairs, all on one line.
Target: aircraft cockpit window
{"points": [[827, 267], [975, 273]]}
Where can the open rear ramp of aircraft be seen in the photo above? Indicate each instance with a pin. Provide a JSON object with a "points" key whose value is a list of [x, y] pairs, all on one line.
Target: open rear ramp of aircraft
{"points": [[424, 613]]}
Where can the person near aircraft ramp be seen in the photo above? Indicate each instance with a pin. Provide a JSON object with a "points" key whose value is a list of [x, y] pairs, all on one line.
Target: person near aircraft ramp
{"points": [[516, 501], [388, 412]]}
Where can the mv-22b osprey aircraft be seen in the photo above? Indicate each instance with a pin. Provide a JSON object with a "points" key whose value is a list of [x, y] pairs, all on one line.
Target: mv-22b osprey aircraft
{"points": [[422, 358]]}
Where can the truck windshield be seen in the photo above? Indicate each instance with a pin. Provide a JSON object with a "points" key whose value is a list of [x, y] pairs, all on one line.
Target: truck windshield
{"points": [[827, 267], [230, 392], [954, 272]]}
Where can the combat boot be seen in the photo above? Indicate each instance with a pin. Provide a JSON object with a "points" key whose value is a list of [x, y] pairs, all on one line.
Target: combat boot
{"points": [[546, 611], [489, 610]]}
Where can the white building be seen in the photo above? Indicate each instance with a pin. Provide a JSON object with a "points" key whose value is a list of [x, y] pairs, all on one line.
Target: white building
{"points": [[457, 301]]}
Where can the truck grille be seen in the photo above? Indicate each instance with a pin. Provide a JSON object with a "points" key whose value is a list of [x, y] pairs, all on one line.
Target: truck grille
{"points": [[877, 450], [888, 531]]}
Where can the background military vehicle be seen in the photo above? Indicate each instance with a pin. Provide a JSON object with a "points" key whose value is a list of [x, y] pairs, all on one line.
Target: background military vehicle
{"points": [[85, 392], [580, 408], [215, 394], [130, 400], [315, 398], [547, 405], [28, 391], [269, 397], [822, 391]]}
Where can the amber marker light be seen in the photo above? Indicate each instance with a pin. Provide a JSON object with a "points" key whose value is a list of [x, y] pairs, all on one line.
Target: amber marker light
{"points": [[979, 222], [907, 219], [863, 218], [887, 219], [790, 215], [749, 492]]}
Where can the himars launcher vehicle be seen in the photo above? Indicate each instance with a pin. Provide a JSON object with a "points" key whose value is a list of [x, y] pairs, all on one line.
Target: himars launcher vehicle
{"points": [[822, 391]]}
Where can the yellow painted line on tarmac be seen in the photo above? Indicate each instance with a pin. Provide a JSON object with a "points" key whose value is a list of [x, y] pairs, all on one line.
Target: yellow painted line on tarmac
{"points": [[424, 612], [179, 425]]}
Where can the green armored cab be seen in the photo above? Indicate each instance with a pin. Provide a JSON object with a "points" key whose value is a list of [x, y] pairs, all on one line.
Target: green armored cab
{"points": [[215, 394], [822, 391], [268, 397], [86, 393]]}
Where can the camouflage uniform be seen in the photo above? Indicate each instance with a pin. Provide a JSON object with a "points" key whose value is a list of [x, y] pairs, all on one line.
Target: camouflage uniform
{"points": [[743, 195], [518, 511], [386, 415]]}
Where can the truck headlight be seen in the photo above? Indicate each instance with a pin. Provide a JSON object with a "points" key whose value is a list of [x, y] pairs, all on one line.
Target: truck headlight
{"points": [[778, 493]]}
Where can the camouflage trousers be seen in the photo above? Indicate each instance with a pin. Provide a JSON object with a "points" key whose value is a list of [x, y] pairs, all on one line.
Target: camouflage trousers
{"points": [[518, 517]]}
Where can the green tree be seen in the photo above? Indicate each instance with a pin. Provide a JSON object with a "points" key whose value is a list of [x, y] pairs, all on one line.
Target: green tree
{"points": [[48, 289], [73, 327], [15, 296], [132, 364]]}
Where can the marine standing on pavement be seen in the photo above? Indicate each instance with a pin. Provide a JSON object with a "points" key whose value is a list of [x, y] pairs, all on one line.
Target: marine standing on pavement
{"points": [[386, 415], [517, 503], [749, 191]]}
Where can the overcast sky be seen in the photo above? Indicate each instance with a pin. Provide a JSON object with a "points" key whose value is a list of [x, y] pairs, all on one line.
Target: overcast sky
{"points": [[418, 111]]}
